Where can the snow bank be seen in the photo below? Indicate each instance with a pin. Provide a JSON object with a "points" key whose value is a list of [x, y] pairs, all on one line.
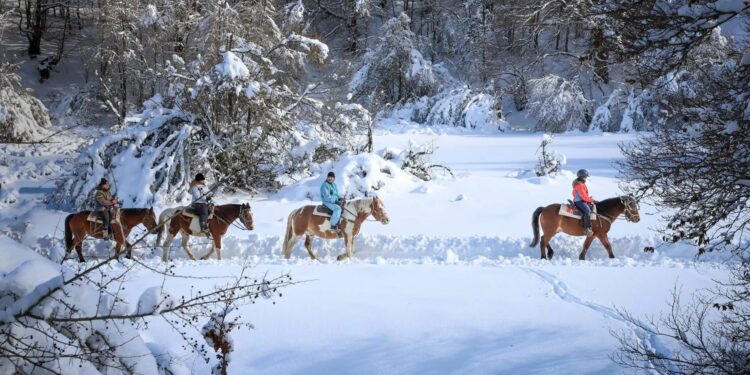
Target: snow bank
{"points": [[360, 175]]}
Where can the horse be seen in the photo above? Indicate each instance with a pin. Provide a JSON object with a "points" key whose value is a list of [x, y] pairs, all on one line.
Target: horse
{"points": [[302, 221], [77, 227], [607, 212], [223, 216]]}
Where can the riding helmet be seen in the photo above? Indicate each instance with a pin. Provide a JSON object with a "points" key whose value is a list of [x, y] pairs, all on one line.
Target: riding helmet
{"points": [[200, 177], [331, 174], [103, 181], [582, 173]]}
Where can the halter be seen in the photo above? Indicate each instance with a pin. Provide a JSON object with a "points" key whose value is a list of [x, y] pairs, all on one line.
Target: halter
{"points": [[630, 206]]}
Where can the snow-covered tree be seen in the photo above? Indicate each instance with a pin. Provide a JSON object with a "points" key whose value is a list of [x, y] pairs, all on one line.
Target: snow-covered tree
{"points": [[23, 118], [550, 162], [558, 104], [394, 70]]}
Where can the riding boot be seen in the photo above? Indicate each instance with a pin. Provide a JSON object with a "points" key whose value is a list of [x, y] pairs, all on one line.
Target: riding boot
{"points": [[587, 224]]}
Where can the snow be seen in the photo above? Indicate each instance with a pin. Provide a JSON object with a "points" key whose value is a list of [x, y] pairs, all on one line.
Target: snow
{"points": [[232, 67], [449, 286]]}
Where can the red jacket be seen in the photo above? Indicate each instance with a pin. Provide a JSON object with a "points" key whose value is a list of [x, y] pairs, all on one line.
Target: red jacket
{"points": [[580, 189]]}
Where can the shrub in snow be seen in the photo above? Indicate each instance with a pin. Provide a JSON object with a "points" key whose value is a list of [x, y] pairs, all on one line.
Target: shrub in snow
{"points": [[77, 321], [465, 108], [550, 162], [557, 104], [394, 70], [416, 161], [23, 118], [217, 334], [149, 162]]}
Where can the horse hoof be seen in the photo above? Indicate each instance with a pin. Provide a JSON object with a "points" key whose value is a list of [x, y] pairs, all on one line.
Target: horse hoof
{"points": [[581, 258], [611, 257], [341, 257]]}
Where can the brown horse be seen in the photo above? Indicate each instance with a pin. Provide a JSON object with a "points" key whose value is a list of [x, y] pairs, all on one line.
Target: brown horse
{"points": [[607, 212], [302, 221], [77, 227], [223, 216]]}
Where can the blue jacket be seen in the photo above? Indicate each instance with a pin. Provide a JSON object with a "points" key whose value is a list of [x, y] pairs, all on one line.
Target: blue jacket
{"points": [[329, 193]]}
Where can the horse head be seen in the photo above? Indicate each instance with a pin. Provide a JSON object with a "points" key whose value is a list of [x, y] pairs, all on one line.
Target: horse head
{"points": [[377, 207], [631, 208], [246, 216]]}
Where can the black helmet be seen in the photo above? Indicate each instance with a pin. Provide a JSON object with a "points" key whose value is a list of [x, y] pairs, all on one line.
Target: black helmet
{"points": [[331, 174], [582, 173], [200, 177], [103, 181]]}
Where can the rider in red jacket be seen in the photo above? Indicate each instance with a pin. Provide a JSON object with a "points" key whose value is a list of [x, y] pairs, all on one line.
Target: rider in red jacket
{"points": [[582, 199]]}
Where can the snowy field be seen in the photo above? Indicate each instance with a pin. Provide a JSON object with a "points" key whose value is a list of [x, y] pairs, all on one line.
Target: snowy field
{"points": [[449, 286]]}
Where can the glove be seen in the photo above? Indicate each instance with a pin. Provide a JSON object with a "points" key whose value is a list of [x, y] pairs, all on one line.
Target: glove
{"points": [[115, 202]]}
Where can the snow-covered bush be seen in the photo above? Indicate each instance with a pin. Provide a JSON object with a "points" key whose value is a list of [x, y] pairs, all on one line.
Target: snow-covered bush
{"points": [[465, 108], [557, 104], [394, 70], [416, 161], [362, 175], [79, 321], [149, 162], [550, 162], [609, 115], [23, 118]]}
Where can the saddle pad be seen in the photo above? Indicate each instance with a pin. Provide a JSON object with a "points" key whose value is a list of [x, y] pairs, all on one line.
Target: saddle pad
{"points": [[94, 216], [574, 212], [321, 210]]}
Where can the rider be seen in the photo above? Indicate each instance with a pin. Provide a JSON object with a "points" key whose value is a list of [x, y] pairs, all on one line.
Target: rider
{"points": [[329, 193], [582, 199], [201, 197], [104, 202]]}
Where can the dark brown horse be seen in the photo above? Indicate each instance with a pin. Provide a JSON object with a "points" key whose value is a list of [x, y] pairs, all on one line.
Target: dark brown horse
{"points": [[223, 216], [607, 212], [77, 227], [302, 222]]}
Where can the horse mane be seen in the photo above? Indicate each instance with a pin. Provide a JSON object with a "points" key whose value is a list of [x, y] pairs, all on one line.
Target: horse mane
{"points": [[608, 204], [134, 210], [358, 202]]}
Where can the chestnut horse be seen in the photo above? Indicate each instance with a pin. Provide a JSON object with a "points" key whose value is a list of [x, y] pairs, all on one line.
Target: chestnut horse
{"points": [[77, 227], [302, 222], [607, 212], [223, 217]]}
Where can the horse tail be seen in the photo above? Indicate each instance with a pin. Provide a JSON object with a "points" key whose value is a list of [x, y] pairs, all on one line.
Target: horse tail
{"points": [[535, 225], [162, 226], [68, 233], [287, 246]]}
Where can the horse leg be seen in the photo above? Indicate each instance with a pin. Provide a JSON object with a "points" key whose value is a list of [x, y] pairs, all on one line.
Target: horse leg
{"points": [[166, 245], [217, 246], [543, 245], [347, 247], [186, 245], [308, 245], [78, 241], [605, 241], [586, 245], [550, 252]]}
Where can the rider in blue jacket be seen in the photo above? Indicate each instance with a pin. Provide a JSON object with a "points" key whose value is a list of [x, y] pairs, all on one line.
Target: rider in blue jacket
{"points": [[329, 193]]}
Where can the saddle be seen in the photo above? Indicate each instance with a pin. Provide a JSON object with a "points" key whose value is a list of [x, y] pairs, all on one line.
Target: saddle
{"points": [[95, 218], [321, 210], [570, 210], [189, 212]]}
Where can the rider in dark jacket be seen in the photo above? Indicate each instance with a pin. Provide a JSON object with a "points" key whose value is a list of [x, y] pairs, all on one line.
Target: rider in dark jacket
{"points": [[104, 202]]}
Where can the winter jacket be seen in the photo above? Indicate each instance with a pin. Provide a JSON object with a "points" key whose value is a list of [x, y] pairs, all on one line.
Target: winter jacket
{"points": [[329, 193], [199, 191], [103, 199], [581, 192]]}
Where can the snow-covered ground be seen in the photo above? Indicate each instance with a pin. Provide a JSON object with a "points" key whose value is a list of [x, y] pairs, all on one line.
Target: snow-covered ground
{"points": [[449, 286]]}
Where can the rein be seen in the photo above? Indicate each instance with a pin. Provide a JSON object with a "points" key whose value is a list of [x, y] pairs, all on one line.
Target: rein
{"points": [[357, 214], [239, 216]]}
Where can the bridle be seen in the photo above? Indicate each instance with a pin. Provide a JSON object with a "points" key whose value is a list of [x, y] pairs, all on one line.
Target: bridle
{"points": [[631, 207], [241, 217]]}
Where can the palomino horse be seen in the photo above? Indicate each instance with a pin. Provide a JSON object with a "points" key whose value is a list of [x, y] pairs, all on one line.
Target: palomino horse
{"points": [[223, 216], [607, 212], [77, 227], [302, 221]]}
